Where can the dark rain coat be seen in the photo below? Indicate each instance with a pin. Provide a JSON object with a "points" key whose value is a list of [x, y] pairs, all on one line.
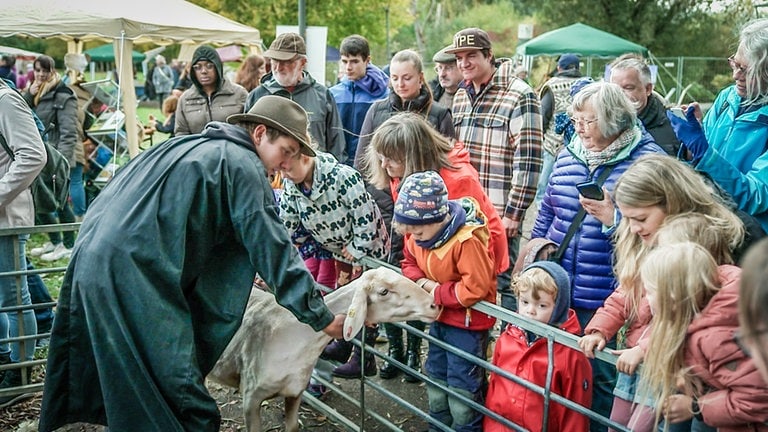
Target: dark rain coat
{"points": [[158, 283]]}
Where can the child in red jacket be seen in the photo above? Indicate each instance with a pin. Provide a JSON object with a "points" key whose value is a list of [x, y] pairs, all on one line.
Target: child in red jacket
{"points": [[446, 252], [543, 291]]}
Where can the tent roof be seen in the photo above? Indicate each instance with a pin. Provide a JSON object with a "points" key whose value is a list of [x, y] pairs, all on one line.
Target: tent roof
{"points": [[106, 53], [20, 54], [579, 39], [165, 22]]}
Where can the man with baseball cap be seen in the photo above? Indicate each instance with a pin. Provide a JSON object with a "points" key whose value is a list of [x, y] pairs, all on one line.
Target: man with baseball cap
{"points": [[498, 117], [162, 271], [288, 56], [445, 85], [555, 98]]}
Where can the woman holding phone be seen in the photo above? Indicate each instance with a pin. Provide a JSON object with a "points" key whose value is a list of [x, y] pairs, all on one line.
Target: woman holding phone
{"points": [[608, 137]]}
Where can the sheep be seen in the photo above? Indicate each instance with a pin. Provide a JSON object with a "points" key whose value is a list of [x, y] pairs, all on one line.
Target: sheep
{"points": [[273, 353]]}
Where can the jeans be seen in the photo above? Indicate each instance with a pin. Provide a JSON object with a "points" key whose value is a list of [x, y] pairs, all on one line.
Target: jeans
{"points": [[65, 215], [504, 279], [77, 189], [38, 293], [547, 164], [9, 322], [603, 378]]}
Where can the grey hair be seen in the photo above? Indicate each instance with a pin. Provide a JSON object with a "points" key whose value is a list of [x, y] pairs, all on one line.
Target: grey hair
{"points": [[633, 61], [615, 112], [753, 43]]}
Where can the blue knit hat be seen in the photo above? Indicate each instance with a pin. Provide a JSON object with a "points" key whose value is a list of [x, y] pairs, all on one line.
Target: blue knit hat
{"points": [[423, 199], [563, 283]]}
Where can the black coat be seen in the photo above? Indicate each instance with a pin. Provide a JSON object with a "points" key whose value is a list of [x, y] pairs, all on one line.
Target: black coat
{"points": [[158, 283]]}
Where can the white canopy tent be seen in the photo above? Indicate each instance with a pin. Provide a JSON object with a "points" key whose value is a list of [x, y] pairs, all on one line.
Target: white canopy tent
{"points": [[123, 23]]}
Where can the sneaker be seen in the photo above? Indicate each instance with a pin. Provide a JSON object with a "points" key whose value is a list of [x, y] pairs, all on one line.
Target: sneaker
{"points": [[59, 252], [46, 248], [317, 390]]}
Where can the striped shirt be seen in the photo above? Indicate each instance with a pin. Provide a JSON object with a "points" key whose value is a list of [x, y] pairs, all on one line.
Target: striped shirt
{"points": [[502, 130]]}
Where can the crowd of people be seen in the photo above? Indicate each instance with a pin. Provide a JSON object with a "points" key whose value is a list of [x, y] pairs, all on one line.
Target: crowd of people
{"points": [[278, 178]]}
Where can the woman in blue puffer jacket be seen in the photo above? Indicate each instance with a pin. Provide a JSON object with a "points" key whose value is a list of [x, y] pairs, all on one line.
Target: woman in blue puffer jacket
{"points": [[608, 136]]}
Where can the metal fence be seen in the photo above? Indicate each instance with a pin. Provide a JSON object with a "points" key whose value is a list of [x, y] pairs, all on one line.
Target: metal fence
{"points": [[367, 412]]}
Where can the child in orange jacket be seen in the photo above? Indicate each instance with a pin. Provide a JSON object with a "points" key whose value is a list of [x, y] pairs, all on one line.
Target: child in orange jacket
{"points": [[446, 252]]}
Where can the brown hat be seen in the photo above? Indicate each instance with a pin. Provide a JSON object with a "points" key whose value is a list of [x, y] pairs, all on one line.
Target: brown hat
{"points": [[469, 39], [443, 57], [286, 47], [282, 114]]}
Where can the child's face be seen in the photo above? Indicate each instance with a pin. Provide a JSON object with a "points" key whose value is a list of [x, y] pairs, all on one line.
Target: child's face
{"points": [[652, 296], [539, 310], [644, 221], [422, 232], [297, 169]]}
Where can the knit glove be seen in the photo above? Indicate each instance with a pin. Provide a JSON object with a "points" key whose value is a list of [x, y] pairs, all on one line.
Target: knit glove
{"points": [[690, 134]]}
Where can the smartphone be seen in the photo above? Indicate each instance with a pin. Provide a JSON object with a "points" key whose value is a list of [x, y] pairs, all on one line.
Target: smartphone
{"points": [[678, 112], [590, 190]]}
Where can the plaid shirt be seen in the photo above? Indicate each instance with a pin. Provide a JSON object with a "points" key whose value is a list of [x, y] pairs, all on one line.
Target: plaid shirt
{"points": [[502, 130]]}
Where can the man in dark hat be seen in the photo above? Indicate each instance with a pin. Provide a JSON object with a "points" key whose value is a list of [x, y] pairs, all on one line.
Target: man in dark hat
{"points": [[211, 98], [162, 270], [446, 83], [287, 56]]}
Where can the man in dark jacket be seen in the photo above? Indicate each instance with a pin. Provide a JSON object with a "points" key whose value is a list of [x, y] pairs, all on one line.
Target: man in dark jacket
{"points": [[633, 75], [287, 56], [162, 270]]}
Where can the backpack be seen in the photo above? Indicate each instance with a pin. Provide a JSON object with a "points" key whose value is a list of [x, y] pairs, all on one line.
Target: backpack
{"points": [[50, 189]]}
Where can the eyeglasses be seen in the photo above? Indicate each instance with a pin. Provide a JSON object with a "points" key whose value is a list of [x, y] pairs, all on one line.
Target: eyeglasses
{"points": [[203, 66], [445, 67], [736, 67], [582, 122]]}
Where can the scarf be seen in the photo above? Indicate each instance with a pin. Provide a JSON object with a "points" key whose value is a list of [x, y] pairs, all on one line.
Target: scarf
{"points": [[458, 218], [47, 86], [599, 158]]}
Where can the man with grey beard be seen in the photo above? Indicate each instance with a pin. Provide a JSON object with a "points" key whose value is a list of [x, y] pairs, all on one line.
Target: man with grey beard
{"points": [[288, 56]]}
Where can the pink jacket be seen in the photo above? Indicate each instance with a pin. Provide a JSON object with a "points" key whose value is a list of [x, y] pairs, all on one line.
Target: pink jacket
{"points": [[572, 379], [614, 313], [736, 398]]}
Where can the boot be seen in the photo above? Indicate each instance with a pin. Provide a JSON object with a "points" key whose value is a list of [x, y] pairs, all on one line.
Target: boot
{"points": [[413, 355], [351, 369], [395, 335], [4, 360], [12, 379], [338, 350]]}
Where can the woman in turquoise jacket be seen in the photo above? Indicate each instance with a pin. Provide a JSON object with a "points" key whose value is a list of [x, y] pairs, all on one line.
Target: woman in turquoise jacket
{"points": [[730, 145]]}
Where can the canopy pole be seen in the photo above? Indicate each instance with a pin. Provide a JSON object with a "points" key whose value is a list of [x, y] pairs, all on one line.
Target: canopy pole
{"points": [[123, 50]]}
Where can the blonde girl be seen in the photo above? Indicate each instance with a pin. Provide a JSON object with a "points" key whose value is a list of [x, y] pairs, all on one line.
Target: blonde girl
{"points": [[654, 188], [693, 367]]}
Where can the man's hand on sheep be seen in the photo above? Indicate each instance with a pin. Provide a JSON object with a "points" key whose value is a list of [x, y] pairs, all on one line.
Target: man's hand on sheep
{"points": [[336, 328]]}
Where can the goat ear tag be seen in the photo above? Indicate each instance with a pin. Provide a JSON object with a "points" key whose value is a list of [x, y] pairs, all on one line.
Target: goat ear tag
{"points": [[351, 312]]}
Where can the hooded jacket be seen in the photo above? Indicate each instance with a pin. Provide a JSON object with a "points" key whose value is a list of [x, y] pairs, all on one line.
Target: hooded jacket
{"points": [[197, 220], [462, 268], [338, 212], [736, 398], [196, 108], [588, 258], [527, 358], [57, 110], [20, 133], [463, 182], [353, 99], [325, 126], [737, 158]]}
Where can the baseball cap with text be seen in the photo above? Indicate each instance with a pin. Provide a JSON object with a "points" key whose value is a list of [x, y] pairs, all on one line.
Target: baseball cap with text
{"points": [[470, 39]]}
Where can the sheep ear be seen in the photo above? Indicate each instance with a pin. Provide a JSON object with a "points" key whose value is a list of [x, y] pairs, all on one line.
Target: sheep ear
{"points": [[358, 310]]}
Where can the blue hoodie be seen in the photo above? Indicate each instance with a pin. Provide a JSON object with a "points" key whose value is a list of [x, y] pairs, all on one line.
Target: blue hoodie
{"points": [[353, 98]]}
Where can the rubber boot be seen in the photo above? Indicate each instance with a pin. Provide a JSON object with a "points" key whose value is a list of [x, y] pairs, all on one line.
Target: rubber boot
{"points": [[352, 368], [396, 351], [338, 350], [12, 379], [413, 353]]}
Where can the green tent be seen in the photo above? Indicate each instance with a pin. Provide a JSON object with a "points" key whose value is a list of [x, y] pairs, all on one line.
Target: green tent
{"points": [[579, 39], [106, 53]]}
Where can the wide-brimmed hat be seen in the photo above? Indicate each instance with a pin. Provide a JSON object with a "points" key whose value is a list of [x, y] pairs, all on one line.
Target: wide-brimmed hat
{"points": [[282, 114], [286, 47]]}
